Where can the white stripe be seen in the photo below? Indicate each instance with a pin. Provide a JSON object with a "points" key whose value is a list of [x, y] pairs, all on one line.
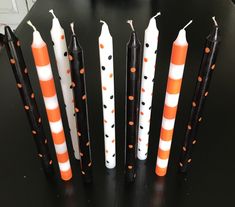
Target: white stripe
{"points": [[162, 163], [176, 71], [51, 102], [60, 148], [168, 124], [56, 127], [164, 145], [65, 166], [171, 100], [44, 72]]}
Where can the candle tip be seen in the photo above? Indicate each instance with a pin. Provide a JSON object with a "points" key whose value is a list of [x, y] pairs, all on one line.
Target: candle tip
{"points": [[30, 24], [130, 22], [103, 22], [158, 14], [52, 12], [72, 27], [190, 22], [215, 22]]}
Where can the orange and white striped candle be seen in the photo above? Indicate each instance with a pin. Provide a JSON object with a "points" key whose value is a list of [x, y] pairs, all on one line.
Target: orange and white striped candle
{"points": [[44, 71], [176, 71]]}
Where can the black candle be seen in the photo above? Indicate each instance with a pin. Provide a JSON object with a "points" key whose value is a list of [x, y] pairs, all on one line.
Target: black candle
{"points": [[20, 71], [80, 103], [201, 92], [133, 75]]}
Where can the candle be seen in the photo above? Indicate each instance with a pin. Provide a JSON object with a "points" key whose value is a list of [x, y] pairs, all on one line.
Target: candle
{"points": [[133, 74], [147, 81], [23, 84], [61, 55], [107, 82], [178, 58], [44, 71], [201, 92], [80, 103]]}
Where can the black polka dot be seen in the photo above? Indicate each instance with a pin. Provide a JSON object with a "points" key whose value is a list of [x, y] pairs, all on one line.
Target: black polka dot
{"points": [[150, 107], [141, 127], [148, 132], [139, 149], [53, 43], [155, 52], [59, 77], [74, 114], [105, 106], [107, 161], [111, 97], [106, 135], [153, 80], [65, 54], [147, 45], [142, 103], [112, 126], [145, 153], [103, 68], [145, 77], [113, 155], [110, 57]]}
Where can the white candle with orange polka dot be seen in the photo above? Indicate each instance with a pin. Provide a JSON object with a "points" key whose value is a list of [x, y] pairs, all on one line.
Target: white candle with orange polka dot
{"points": [[147, 82], [107, 81], [61, 55]]}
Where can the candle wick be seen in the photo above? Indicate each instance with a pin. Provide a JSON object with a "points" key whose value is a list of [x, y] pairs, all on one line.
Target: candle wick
{"points": [[158, 14], [190, 22], [130, 22], [30, 24], [72, 27], [52, 12], [215, 22]]}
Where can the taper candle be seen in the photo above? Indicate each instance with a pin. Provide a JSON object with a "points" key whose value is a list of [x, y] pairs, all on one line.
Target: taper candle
{"points": [[107, 82], [44, 71], [200, 95], [133, 74], [176, 71], [62, 62], [23, 84], [147, 83], [80, 103]]}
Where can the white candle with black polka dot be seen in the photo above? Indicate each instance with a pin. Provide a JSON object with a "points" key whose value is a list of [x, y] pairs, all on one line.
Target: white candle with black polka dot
{"points": [[147, 82], [61, 55], [107, 81]]}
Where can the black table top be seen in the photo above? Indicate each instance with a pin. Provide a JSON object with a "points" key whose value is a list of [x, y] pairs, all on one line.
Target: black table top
{"points": [[210, 181]]}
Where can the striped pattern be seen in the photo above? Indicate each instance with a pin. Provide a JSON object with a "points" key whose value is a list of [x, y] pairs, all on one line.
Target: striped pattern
{"points": [[175, 76], [47, 84]]}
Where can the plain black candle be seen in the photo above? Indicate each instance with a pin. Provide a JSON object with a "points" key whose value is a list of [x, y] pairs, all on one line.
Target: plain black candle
{"points": [[20, 71], [206, 71], [80, 102], [133, 74]]}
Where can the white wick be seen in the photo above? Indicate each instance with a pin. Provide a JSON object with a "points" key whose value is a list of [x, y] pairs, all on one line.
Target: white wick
{"points": [[30, 24], [216, 24], [72, 27], [130, 22], [52, 12], [158, 14], [190, 22]]}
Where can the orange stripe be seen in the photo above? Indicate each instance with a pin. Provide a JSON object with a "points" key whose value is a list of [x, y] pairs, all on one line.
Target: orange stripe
{"points": [[166, 135], [41, 56], [54, 114], [178, 55], [169, 112], [66, 175], [163, 154], [48, 88], [173, 86], [62, 157], [160, 171], [58, 138]]}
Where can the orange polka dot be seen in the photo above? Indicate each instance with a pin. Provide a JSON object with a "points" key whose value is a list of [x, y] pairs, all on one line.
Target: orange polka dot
{"points": [[84, 97], [131, 123], [194, 141], [189, 127], [113, 140], [142, 90], [82, 71], [105, 121], [39, 120], [83, 173], [12, 61], [76, 110], [213, 67], [45, 141], [89, 164], [81, 154], [131, 98], [145, 59], [50, 162], [113, 111], [189, 160], [18, 43], [194, 104], [40, 155], [101, 46], [32, 96], [110, 75], [130, 146], [25, 71], [140, 139], [79, 134], [104, 88], [184, 148], [26, 107], [200, 119], [199, 78], [19, 85], [68, 71], [130, 167], [87, 144], [142, 113], [207, 50], [72, 84], [206, 94], [70, 57], [181, 165], [133, 70], [34, 132], [62, 37]]}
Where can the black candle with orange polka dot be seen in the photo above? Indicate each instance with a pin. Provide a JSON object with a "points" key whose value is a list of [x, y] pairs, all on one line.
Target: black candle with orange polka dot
{"points": [[80, 104], [23, 84], [206, 71], [133, 74]]}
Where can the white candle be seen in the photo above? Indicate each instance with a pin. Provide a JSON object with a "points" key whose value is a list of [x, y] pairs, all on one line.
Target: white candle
{"points": [[107, 81], [61, 55], [147, 83]]}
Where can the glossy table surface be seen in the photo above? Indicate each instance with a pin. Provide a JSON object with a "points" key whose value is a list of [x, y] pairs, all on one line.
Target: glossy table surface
{"points": [[209, 182]]}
